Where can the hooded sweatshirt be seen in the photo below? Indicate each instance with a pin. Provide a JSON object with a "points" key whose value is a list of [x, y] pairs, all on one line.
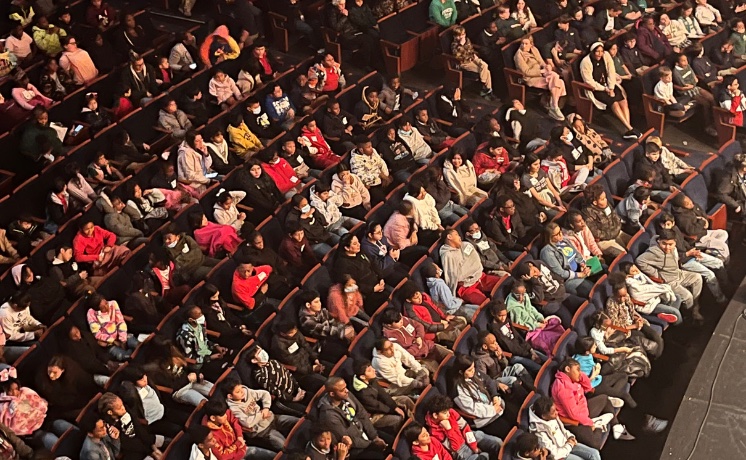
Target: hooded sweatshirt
{"points": [[464, 181], [353, 194], [425, 213], [405, 337], [226, 438], [552, 434], [248, 411], [353, 422], [394, 368], [224, 90], [282, 174], [435, 451], [569, 397], [442, 295], [367, 112], [416, 143], [452, 439], [368, 167], [654, 262], [329, 208], [461, 266]]}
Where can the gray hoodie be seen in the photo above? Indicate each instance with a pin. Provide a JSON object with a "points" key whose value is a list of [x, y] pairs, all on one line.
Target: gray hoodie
{"points": [[657, 264], [460, 265]]}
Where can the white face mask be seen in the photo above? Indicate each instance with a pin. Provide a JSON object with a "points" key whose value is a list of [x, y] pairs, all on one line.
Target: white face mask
{"points": [[405, 133], [173, 245], [569, 137], [256, 111], [477, 235], [305, 209], [351, 289], [263, 357], [201, 320], [275, 161]]}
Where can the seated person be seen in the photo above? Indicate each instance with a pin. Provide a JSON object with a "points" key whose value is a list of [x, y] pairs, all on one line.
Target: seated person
{"points": [[192, 340], [192, 265], [242, 141], [101, 441], [109, 328], [252, 410], [414, 141], [297, 250], [395, 365], [39, 127], [102, 173], [223, 88], [193, 106], [135, 436], [223, 159], [442, 295], [259, 121], [355, 196], [387, 413], [290, 347], [732, 99], [270, 375], [228, 441], [540, 74], [419, 307], [463, 270], [96, 247], [250, 285], [623, 316], [490, 361], [422, 445], [326, 202], [477, 395], [118, 219], [25, 233], [564, 260], [93, 115], [173, 120], [316, 322], [72, 277], [280, 108], [16, 321], [613, 384], [509, 339], [369, 167], [651, 41]]}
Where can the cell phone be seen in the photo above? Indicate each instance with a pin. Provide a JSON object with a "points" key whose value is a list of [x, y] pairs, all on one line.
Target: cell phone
{"points": [[211, 175], [76, 130]]}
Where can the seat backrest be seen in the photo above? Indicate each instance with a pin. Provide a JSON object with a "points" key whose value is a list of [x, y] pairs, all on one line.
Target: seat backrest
{"points": [[565, 345], [617, 178], [545, 377]]}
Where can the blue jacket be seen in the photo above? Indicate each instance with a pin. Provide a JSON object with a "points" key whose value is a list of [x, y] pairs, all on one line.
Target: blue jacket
{"points": [[558, 262], [586, 366], [278, 107], [441, 293]]}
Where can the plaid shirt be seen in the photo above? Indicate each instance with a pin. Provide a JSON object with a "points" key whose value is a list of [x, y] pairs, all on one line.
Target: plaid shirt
{"points": [[464, 53]]}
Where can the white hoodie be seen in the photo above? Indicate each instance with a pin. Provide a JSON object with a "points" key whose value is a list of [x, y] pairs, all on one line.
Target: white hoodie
{"points": [[552, 434], [393, 369], [643, 289]]}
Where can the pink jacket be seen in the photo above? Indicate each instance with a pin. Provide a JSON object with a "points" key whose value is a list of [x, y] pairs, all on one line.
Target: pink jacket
{"points": [[588, 239], [337, 306], [396, 230], [570, 399], [223, 91]]}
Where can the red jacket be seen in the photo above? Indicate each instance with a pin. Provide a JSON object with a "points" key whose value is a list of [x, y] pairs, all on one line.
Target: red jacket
{"points": [[427, 312], [454, 438], [244, 290], [282, 174], [88, 248], [227, 446], [406, 335], [435, 450], [570, 398], [483, 160]]}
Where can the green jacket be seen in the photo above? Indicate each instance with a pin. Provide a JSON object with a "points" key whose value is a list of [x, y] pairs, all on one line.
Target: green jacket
{"points": [[444, 14], [523, 313], [47, 42]]}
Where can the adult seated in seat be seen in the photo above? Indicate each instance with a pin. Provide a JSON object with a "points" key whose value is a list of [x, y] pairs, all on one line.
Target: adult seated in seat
{"points": [[97, 247], [388, 413], [77, 61], [346, 417], [141, 77], [184, 54], [564, 260], [351, 38], [419, 307], [539, 73], [219, 46], [597, 70]]}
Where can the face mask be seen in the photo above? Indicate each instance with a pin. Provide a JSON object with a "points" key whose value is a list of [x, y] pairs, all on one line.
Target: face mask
{"points": [[477, 235], [200, 320], [405, 133], [263, 357], [275, 161], [569, 137], [305, 209], [173, 245], [351, 289], [256, 111]]}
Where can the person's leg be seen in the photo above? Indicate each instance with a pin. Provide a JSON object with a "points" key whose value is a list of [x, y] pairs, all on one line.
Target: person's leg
{"points": [[257, 453], [471, 294], [276, 440], [321, 249], [587, 436], [651, 334], [615, 384], [583, 452], [667, 309], [488, 443], [485, 76], [694, 266], [189, 396], [558, 309], [389, 423], [529, 364], [686, 297], [611, 249], [619, 112]]}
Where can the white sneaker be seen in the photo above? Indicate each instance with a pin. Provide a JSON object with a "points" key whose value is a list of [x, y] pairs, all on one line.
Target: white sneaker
{"points": [[616, 402]]}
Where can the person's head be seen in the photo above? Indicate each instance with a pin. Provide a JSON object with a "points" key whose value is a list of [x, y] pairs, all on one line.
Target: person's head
{"points": [[597, 51], [409, 292], [518, 290], [667, 241], [197, 219], [666, 220], [614, 9], [738, 26], [422, 115], [392, 318], [527, 43], [648, 22], [350, 244], [687, 8], [245, 270], [552, 233], [730, 82], [727, 46], [416, 435], [87, 228], [216, 411], [336, 388], [364, 370], [585, 345], [254, 167], [65, 253], [277, 91], [321, 438], [260, 49], [111, 405], [404, 125], [195, 317], [41, 116], [416, 190], [20, 301], [69, 43], [233, 390], [527, 446], [544, 408], [56, 367], [505, 205], [202, 436], [498, 310], [343, 172], [328, 61], [332, 106], [171, 236], [322, 190], [630, 39], [487, 341], [531, 163], [295, 232], [455, 156], [371, 95], [439, 407], [563, 23], [463, 366], [641, 195], [503, 12], [364, 145], [665, 74], [311, 299], [452, 238], [374, 231], [94, 427], [572, 368], [385, 347], [169, 105]]}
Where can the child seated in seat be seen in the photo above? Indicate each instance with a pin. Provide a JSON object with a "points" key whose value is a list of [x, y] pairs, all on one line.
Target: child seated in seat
{"points": [[664, 91]]}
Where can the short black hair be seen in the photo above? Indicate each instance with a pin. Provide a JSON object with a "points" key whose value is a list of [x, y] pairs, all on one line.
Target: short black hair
{"points": [[437, 404], [526, 443], [215, 407]]}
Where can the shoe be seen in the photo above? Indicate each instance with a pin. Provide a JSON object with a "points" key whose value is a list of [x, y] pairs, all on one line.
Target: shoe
{"points": [[696, 315], [631, 135], [556, 113], [485, 91], [721, 299], [654, 425], [616, 402], [667, 317], [620, 433]]}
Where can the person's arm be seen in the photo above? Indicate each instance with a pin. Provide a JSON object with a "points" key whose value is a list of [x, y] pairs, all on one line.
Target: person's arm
{"points": [[13, 331]]}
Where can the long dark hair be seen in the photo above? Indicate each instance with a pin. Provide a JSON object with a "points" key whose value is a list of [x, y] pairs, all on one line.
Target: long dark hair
{"points": [[474, 386]]}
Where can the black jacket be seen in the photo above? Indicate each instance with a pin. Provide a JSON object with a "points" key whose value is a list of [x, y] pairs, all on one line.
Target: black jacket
{"points": [[335, 125], [134, 436], [314, 227], [140, 87], [261, 194], [302, 358], [397, 154], [261, 125], [506, 241], [509, 338], [374, 398], [690, 220], [360, 268]]}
